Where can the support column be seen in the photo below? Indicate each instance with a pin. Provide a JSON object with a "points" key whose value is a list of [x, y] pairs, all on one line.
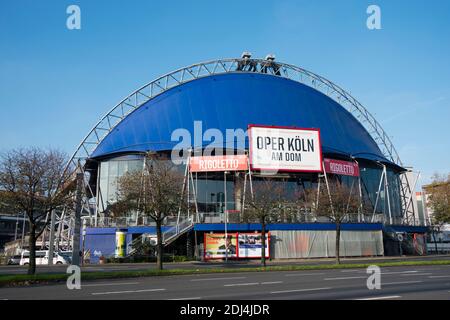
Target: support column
{"points": [[51, 238], [225, 211], [238, 194], [378, 196], [194, 195], [189, 251], [386, 194], [77, 222], [98, 198], [184, 187], [361, 207], [328, 189], [243, 197], [44, 234]]}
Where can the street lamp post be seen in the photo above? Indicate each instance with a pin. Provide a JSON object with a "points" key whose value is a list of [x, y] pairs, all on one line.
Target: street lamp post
{"points": [[23, 231], [225, 213]]}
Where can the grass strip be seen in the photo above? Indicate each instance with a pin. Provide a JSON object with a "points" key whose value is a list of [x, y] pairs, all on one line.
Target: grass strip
{"points": [[24, 280]]}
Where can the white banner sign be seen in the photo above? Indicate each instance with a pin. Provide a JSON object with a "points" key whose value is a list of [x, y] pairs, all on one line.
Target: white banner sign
{"points": [[285, 149], [250, 245]]}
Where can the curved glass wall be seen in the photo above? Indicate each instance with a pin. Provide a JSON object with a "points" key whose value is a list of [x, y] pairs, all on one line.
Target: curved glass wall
{"points": [[109, 173], [381, 197], [216, 192]]}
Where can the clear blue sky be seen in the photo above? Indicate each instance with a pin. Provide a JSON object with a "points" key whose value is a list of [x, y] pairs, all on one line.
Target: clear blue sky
{"points": [[56, 83]]}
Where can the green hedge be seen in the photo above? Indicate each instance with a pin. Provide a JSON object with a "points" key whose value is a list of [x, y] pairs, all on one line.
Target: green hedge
{"points": [[17, 280], [137, 259]]}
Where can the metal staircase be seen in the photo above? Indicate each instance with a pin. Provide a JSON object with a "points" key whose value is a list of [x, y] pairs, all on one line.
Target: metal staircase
{"points": [[176, 231], [137, 245], [168, 237]]}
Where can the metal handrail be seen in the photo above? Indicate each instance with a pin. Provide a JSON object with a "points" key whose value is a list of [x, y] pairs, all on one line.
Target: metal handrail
{"points": [[178, 229]]}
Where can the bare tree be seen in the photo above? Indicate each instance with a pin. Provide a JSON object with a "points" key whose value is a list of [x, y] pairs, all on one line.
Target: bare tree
{"points": [[439, 202], [439, 198], [264, 206], [305, 203], [336, 204], [31, 181], [156, 192]]}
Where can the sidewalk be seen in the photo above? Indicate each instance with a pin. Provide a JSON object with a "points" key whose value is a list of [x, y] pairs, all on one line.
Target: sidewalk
{"points": [[313, 261]]}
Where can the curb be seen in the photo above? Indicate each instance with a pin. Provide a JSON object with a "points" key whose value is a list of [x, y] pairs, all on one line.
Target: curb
{"points": [[57, 278]]}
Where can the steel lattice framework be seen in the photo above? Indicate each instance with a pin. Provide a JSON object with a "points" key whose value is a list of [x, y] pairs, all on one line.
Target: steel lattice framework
{"points": [[142, 95], [215, 67]]}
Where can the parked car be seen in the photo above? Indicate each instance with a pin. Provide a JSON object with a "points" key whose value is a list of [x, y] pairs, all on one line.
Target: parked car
{"points": [[42, 258], [14, 260], [66, 255]]}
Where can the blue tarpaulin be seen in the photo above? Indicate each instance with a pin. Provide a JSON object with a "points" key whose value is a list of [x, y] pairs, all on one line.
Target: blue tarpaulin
{"points": [[233, 101]]}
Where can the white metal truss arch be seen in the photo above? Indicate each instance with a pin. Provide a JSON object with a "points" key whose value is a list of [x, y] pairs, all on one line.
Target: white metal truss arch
{"points": [[147, 92], [215, 67]]}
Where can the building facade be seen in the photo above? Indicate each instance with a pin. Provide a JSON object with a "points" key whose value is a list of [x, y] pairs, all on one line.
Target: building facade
{"points": [[206, 110]]}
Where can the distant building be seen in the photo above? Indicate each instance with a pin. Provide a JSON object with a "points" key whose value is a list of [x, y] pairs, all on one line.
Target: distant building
{"points": [[416, 215], [444, 234], [231, 122], [420, 207], [426, 192], [11, 228]]}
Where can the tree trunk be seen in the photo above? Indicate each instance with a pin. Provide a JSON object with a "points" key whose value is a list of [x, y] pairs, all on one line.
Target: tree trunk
{"points": [[189, 251], [160, 246], [435, 242], [338, 244], [263, 242], [32, 245]]}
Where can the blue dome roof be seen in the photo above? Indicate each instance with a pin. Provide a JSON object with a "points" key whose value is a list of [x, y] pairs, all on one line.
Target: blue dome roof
{"points": [[233, 101]]}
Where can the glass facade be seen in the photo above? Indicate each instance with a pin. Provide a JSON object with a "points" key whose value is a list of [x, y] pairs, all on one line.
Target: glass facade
{"points": [[109, 173], [216, 192], [376, 191]]}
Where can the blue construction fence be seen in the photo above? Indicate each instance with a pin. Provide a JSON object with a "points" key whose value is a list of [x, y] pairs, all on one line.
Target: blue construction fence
{"points": [[102, 241]]}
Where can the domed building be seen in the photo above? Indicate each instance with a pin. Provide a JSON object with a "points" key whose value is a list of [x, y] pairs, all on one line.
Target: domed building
{"points": [[213, 108]]}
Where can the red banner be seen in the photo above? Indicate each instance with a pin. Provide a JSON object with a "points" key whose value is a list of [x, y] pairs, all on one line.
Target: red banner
{"points": [[218, 163], [344, 168]]}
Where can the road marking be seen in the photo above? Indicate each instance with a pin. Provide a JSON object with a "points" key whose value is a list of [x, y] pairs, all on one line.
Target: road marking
{"points": [[251, 283], [439, 277], [301, 290], [190, 298], [415, 274], [353, 270], [400, 272], [302, 274], [215, 279], [128, 291], [381, 298], [241, 284], [345, 278], [271, 282], [402, 282], [109, 284]]}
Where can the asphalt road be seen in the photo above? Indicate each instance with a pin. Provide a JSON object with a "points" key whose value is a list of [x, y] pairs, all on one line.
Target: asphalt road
{"points": [[415, 282], [200, 265]]}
